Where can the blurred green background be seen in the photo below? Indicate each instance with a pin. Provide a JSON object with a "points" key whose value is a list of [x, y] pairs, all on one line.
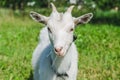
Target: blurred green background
{"points": [[98, 42]]}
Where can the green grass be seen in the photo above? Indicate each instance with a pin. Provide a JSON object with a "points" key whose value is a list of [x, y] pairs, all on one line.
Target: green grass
{"points": [[99, 52], [98, 46]]}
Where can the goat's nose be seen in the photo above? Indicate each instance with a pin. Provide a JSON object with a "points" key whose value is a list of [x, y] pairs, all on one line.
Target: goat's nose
{"points": [[58, 49]]}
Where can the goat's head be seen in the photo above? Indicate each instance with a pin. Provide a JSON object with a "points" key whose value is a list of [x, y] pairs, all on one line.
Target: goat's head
{"points": [[60, 27]]}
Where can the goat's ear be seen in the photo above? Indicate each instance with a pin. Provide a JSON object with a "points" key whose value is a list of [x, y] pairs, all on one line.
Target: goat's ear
{"points": [[38, 17], [83, 19]]}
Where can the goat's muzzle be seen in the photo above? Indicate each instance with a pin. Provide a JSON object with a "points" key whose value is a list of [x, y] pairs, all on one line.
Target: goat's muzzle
{"points": [[59, 51]]}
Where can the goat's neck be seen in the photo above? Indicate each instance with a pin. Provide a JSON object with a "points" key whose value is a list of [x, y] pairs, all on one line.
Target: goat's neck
{"points": [[62, 64]]}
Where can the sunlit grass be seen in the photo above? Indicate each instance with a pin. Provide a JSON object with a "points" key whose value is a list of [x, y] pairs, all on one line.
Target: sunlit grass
{"points": [[98, 46], [18, 38], [99, 57]]}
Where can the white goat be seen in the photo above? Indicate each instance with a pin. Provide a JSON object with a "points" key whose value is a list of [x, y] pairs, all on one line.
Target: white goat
{"points": [[55, 57]]}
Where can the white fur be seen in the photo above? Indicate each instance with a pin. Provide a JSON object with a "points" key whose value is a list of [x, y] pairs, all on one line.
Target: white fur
{"points": [[41, 60], [56, 52]]}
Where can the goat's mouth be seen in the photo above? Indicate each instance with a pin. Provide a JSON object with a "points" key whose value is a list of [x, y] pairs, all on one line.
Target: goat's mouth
{"points": [[61, 51], [60, 54]]}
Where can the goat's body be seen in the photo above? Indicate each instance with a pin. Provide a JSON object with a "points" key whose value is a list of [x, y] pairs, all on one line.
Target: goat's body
{"points": [[43, 58]]}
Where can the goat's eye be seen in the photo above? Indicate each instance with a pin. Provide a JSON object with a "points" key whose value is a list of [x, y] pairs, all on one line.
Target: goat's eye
{"points": [[49, 30], [71, 29]]}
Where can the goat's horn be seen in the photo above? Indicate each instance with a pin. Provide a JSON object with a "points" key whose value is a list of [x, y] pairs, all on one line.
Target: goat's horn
{"points": [[70, 9], [53, 7]]}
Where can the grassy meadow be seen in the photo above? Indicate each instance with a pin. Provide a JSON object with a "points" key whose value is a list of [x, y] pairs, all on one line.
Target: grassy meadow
{"points": [[98, 46]]}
